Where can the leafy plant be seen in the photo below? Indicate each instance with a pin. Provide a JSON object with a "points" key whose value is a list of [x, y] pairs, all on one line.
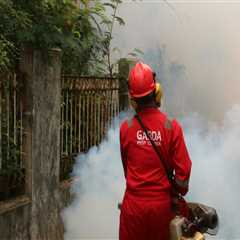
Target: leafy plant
{"points": [[12, 22], [113, 4], [83, 32]]}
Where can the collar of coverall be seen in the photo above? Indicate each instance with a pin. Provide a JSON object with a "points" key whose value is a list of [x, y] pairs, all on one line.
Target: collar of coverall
{"points": [[147, 107]]}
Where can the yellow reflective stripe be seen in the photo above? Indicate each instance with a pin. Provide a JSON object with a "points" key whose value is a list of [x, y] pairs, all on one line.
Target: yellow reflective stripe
{"points": [[180, 183], [168, 124]]}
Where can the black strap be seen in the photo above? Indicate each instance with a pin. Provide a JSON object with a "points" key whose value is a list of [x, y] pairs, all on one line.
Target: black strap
{"points": [[157, 150]]}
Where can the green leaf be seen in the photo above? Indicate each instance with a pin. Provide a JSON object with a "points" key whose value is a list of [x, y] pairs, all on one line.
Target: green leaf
{"points": [[132, 54], [117, 1], [113, 6], [77, 34], [139, 51], [119, 20], [116, 49]]}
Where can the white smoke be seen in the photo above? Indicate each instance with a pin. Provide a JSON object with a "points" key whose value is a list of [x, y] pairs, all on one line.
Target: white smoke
{"points": [[215, 152], [203, 37], [94, 213], [215, 178]]}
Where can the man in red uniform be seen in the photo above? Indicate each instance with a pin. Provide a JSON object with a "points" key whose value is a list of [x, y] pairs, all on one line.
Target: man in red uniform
{"points": [[146, 209]]}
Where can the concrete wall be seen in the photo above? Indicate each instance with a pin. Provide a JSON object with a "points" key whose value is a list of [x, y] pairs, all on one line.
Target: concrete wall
{"points": [[37, 214], [15, 220]]}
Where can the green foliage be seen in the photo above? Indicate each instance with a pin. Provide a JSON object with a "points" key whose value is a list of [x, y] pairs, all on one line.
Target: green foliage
{"points": [[10, 147], [108, 64], [83, 33], [5, 48], [12, 23]]}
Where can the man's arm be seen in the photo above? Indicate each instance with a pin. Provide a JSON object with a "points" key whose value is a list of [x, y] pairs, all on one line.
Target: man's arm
{"points": [[180, 158], [123, 130]]}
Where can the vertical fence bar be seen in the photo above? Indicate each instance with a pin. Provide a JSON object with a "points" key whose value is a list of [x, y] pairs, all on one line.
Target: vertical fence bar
{"points": [[14, 110], [106, 111], [71, 121], [95, 119], [87, 120], [62, 120], [21, 133], [8, 118], [105, 114], [84, 122], [99, 119], [79, 122], [102, 117], [66, 123], [93, 100], [92, 119], [75, 122], [0, 123], [110, 107], [116, 103], [115, 97]]}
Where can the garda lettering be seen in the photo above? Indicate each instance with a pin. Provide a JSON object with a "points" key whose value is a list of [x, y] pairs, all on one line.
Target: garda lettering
{"points": [[142, 138]]}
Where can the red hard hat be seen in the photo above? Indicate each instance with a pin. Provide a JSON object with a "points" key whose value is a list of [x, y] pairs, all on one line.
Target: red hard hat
{"points": [[141, 81]]}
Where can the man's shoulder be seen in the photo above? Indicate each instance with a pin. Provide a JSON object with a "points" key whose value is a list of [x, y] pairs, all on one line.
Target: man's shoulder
{"points": [[176, 124], [176, 127], [127, 121], [124, 125], [169, 122], [166, 120]]}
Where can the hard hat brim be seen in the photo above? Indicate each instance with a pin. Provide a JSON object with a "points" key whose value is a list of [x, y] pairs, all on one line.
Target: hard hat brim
{"points": [[142, 94]]}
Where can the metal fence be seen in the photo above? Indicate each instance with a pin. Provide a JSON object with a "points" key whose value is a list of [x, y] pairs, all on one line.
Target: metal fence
{"points": [[11, 135], [88, 106]]}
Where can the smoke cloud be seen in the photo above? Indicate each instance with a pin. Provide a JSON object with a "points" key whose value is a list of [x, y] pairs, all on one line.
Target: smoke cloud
{"points": [[194, 48], [94, 213], [215, 152], [201, 36]]}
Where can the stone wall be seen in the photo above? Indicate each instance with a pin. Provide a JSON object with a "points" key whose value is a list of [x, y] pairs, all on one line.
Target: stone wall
{"points": [[15, 220], [37, 214]]}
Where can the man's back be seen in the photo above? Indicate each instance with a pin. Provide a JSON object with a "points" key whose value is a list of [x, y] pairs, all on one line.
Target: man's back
{"points": [[145, 175]]}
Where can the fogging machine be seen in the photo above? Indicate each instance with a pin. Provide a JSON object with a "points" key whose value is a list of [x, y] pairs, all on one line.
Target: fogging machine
{"points": [[202, 219]]}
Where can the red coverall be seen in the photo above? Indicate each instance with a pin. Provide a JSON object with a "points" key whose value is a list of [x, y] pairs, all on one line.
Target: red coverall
{"points": [[146, 209]]}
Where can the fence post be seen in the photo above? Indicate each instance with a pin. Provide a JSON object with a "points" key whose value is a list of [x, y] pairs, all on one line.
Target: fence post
{"points": [[124, 66], [41, 76]]}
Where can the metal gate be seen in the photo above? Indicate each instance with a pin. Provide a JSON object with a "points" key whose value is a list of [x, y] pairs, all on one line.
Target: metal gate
{"points": [[88, 106], [12, 167]]}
